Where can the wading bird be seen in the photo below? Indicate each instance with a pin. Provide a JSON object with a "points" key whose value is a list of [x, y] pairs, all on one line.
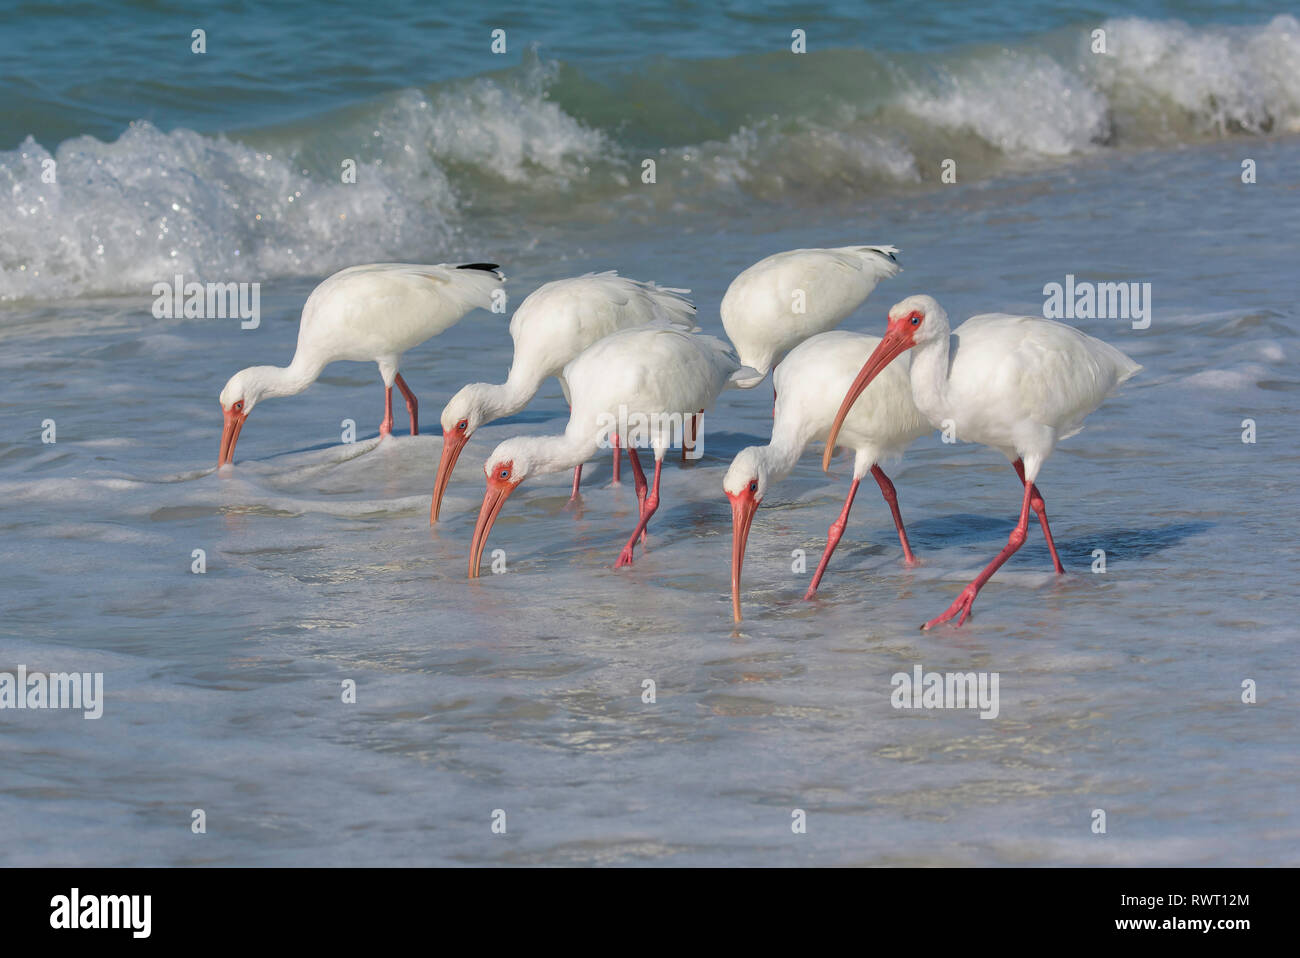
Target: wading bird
{"points": [[550, 328], [810, 384], [371, 313], [1018, 384], [649, 379], [782, 300]]}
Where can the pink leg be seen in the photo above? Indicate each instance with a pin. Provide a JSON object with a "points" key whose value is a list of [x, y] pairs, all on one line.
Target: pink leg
{"points": [[412, 405], [963, 602], [891, 497], [577, 478], [641, 487], [832, 540], [1040, 507], [614, 438], [648, 510], [386, 427]]}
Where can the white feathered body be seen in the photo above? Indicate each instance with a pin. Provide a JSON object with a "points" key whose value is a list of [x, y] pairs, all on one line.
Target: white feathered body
{"points": [[557, 321], [1019, 384], [811, 383], [782, 300], [378, 311], [658, 370]]}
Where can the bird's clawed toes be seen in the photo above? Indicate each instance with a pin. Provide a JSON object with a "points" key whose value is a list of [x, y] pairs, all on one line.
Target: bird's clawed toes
{"points": [[624, 558], [960, 608]]}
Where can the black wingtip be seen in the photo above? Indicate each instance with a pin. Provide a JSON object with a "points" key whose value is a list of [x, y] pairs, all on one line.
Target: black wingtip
{"points": [[486, 267]]}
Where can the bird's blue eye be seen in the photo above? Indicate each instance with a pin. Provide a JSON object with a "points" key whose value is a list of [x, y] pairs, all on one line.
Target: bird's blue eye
{"points": [[462, 424], [916, 320], [505, 473], [753, 486]]}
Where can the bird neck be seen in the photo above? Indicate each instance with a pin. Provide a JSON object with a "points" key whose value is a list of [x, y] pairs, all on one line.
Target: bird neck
{"points": [[788, 442], [521, 385], [504, 399], [288, 380], [549, 454], [929, 375]]}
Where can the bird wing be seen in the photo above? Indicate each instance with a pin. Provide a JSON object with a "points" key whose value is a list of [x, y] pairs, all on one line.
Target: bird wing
{"points": [[787, 297], [560, 319], [1054, 373], [385, 308]]}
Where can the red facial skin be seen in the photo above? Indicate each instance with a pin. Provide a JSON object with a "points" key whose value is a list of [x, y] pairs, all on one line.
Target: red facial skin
{"points": [[452, 445], [234, 422], [899, 337], [499, 486], [743, 507]]}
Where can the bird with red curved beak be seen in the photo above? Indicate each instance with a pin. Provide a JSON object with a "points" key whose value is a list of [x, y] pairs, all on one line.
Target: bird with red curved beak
{"points": [[551, 327], [234, 418], [659, 375], [373, 312], [744, 503], [809, 385], [501, 481], [1018, 384]]}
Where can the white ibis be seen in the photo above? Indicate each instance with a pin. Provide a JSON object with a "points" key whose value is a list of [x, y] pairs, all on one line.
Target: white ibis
{"points": [[370, 313], [650, 381], [810, 383], [550, 328], [1019, 384], [780, 301]]}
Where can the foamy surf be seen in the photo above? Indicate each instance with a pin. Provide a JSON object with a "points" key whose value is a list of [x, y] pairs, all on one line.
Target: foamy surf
{"points": [[499, 159]]}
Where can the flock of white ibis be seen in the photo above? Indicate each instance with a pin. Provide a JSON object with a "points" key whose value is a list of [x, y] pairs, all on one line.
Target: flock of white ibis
{"points": [[638, 373]]}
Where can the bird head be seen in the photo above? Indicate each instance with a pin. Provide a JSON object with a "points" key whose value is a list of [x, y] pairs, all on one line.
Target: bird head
{"points": [[240, 395], [460, 417], [745, 485], [505, 469], [916, 320], [912, 322]]}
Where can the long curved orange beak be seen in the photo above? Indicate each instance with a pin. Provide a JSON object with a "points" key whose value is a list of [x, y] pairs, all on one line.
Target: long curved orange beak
{"points": [[498, 491], [452, 445], [897, 340], [230, 435], [743, 507]]}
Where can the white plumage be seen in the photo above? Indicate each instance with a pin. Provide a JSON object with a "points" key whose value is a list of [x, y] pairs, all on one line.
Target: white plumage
{"points": [[780, 301], [1019, 384], [641, 384], [550, 328], [810, 384], [372, 313]]}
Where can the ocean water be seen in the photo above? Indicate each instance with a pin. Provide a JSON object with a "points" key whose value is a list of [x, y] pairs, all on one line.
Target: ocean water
{"points": [[1120, 691]]}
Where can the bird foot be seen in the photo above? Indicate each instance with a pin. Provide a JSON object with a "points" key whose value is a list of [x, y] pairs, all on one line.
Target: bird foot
{"points": [[574, 505], [624, 558], [912, 562], [386, 428], [962, 605]]}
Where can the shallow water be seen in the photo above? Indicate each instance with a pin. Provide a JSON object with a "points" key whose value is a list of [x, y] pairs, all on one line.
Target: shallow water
{"points": [[1119, 691]]}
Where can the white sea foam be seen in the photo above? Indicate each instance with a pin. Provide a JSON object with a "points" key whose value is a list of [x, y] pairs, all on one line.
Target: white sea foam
{"points": [[442, 170]]}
